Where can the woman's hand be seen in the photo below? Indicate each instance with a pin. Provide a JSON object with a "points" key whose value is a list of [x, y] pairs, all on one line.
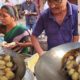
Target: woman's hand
{"points": [[8, 45], [13, 46], [20, 44]]}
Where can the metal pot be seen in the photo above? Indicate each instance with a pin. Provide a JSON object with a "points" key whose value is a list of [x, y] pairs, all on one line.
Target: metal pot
{"points": [[21, 72], [49, 65], [20, 67]]}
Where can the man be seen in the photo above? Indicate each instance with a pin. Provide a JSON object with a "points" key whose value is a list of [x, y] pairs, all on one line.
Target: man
{"points": [[59, 22], [30, 11]]}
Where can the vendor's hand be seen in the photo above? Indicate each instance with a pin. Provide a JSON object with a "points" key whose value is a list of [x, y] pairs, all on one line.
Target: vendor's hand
{"points": [[42, 53]]}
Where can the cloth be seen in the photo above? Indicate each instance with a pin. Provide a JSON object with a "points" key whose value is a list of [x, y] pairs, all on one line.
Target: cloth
{"points": [[58, 34], [18, 33], [31, 7]]}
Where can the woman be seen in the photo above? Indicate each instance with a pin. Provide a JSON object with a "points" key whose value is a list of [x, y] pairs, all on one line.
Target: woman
{"points": [[14, 32]]}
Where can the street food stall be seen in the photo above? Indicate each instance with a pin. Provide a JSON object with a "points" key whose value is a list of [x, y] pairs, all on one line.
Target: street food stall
{"points": [[59, 63], [13, 66]]}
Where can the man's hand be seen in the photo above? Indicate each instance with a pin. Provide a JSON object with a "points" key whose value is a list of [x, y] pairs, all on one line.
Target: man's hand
{"points": [[26, 12], [42, 53]]}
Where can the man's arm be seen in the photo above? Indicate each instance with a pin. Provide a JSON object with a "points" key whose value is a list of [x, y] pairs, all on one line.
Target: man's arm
{"points": [[36, 44]]}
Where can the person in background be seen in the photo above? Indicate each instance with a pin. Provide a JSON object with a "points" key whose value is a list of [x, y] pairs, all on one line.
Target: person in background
{"points": [[45, 6], [8, 2], [15, 33], [60, 22], [30, 11]]}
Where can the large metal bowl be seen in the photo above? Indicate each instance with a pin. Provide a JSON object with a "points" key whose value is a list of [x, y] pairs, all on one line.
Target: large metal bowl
{"points": [[20, 67], [49, 65]]}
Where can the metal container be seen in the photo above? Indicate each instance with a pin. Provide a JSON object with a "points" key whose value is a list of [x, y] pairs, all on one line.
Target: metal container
{"points": [[21, 72], [19, 67], [49, 65]]}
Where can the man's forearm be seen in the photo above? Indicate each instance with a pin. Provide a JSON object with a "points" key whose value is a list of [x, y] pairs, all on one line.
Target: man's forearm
{"points": [[36, 45]]}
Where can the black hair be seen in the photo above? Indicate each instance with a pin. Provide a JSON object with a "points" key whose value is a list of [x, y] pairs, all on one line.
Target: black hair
{"points": [[10, 10], [59, 1]]}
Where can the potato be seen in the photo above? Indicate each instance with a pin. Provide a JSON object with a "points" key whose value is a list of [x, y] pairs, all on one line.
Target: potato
{"points": [[71, 71], [7, 58], [75, 76], [2, 73], [2, 63], [2, 67], [3, 78], [68, 62], [9, 64], [71, 58], [69, 66], [10, 75], [7, 69]]}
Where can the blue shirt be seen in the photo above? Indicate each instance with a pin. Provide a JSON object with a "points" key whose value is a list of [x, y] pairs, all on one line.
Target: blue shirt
{"points": [[31, 7], [58, 34]]}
